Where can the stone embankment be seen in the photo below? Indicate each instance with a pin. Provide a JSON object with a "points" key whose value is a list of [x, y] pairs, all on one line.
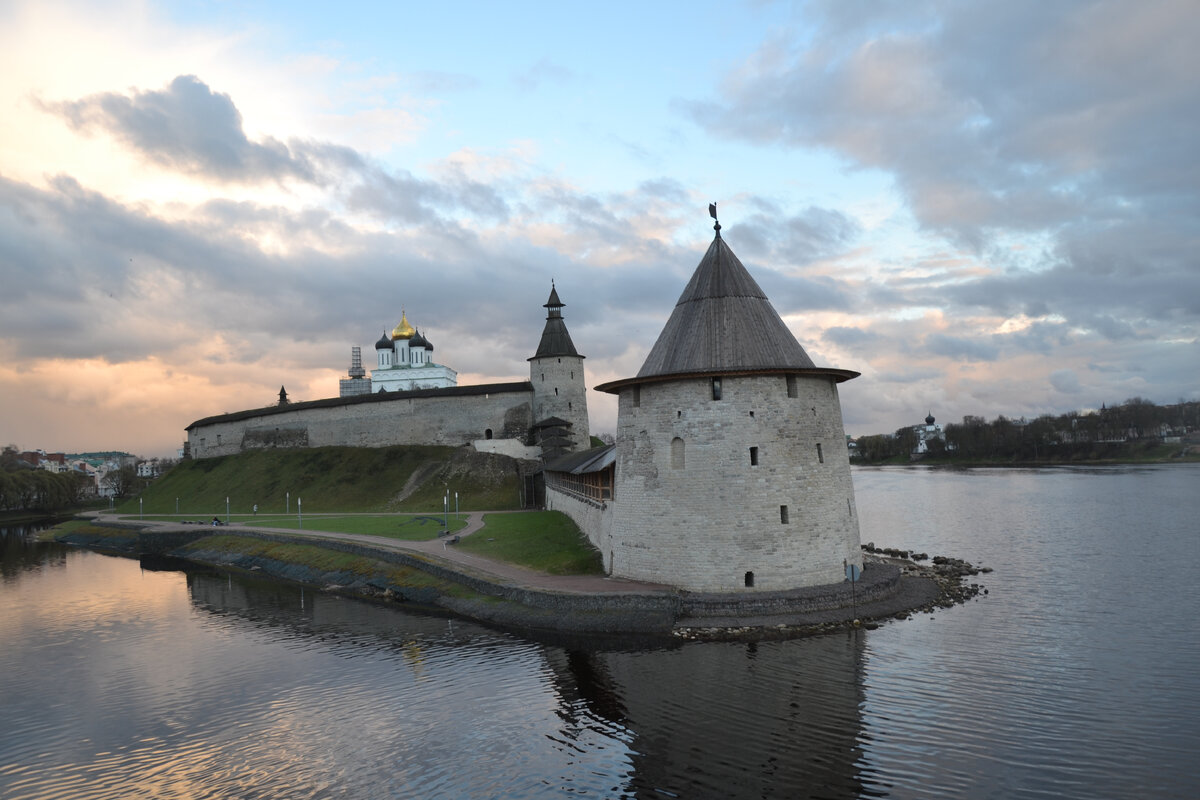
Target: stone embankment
{"points": [[435, 575]]}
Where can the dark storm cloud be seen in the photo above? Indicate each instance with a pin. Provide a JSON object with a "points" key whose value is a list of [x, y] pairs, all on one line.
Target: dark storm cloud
{"points": [[1075, 122]]}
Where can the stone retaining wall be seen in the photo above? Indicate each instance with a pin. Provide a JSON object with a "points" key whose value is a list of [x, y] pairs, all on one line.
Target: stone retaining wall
{"points": [[598, 612]]}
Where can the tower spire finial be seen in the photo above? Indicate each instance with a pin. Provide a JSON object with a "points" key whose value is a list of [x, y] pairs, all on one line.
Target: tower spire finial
{"points": [[712, 212]]}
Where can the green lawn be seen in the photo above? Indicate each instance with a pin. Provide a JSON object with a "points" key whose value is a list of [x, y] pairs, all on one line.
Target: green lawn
{"points": [[334, 479], [548, 541]]}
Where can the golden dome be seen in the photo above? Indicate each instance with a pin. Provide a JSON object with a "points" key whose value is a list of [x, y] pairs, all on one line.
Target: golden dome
{"points": [[403, 330]]}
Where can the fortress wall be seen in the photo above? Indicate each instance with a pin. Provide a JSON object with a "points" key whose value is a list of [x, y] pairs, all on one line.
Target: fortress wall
{"points": [[440, 420], [702, 516], [594, 519]]}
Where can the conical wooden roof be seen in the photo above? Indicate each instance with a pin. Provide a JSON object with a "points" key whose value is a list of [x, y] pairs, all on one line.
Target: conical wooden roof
{"points": [[556, 340], [723, 322]]}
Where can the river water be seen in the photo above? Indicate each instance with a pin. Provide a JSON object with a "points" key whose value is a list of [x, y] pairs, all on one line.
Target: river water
{"points": [[1075, 676]]}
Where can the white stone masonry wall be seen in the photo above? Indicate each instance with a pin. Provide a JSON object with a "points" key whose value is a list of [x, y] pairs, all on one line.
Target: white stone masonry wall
{"points": [[699, 515]]}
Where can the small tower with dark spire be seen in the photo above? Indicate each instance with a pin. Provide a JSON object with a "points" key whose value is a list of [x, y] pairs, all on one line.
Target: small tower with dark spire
{"points": [[560, 416]]}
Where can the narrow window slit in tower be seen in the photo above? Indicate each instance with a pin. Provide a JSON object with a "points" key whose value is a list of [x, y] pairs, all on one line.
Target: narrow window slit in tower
{"points": [[677, 460], [749, 579], [637, 396], [783, 515], [820, 455], [754, 456], [791, 386], [716, 388]]}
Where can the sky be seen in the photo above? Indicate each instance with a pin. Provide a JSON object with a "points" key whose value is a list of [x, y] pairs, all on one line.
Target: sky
{"points": [[984, 208]]}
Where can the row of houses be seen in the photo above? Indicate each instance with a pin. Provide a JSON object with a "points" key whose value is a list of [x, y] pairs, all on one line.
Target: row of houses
{"points": [[96, 466]]}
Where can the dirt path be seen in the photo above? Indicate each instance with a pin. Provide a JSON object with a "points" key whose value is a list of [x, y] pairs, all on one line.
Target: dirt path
{"points": [[437, 550]]}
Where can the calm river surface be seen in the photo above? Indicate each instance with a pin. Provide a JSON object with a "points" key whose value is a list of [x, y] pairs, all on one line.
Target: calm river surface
{"points": [[1077, 675]]}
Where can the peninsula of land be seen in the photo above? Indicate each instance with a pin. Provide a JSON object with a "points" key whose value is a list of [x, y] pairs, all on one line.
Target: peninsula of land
{"points": [[440, 576]]}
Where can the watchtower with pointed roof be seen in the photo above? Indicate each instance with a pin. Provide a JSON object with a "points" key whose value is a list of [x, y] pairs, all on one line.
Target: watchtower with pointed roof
{"points": [[559, 395], [731, 466]]}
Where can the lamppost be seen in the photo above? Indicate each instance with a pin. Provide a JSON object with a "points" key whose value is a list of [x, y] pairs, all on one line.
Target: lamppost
{"points": [[300, 512], [226, 510], [177, 506], [139, 508], [287, 502]]}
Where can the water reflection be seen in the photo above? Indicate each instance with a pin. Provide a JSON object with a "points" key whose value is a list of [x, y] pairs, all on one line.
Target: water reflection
{"points": [[773, 719], [19, 552], [701, 720]]}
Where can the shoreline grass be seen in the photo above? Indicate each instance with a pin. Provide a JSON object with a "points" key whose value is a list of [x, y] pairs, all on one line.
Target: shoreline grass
{"points": [[548, 541]]}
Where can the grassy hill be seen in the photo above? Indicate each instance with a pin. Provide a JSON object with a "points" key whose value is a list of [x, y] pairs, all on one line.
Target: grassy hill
{"points": [[336, 479]]}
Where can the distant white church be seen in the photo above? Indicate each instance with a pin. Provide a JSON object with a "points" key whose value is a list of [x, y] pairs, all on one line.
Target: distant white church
{"points": [[404, 363], [932, 430]]}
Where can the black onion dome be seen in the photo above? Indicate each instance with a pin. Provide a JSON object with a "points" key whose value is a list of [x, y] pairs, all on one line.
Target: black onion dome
{"points": [[929, 419], [417, 340], [384, 343]]}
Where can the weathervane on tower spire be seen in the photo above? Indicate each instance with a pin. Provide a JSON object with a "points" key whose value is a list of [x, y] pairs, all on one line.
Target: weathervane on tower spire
{"points": [[712, 212]]}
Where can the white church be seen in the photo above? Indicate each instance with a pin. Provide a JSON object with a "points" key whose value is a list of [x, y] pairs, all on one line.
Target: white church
{"points": [[404, 362]]}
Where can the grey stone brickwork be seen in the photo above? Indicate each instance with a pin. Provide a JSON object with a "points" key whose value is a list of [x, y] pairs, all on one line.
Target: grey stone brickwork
{"points": [[559, 391], [453, 416], [696, 507]]}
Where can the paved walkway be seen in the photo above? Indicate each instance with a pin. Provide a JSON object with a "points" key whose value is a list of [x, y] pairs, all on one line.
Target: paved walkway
{"points": [[436, 550]]}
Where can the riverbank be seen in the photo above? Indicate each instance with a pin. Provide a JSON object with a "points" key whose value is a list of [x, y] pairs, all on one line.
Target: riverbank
{"points": [[437, 576]]}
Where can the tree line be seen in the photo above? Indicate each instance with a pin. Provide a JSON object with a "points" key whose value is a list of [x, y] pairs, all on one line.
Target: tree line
{"points": [[40, 490], [1071, 436]]}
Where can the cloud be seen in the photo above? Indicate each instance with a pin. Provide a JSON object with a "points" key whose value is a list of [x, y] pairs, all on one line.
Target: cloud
{"points": [[190, 128], [960, 347], [1066, 381], [544, 71], [850, 337], [1069, 123]]}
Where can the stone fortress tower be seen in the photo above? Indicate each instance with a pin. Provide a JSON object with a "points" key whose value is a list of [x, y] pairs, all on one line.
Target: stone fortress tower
{"points": [[559, 395], [731, 466]]}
